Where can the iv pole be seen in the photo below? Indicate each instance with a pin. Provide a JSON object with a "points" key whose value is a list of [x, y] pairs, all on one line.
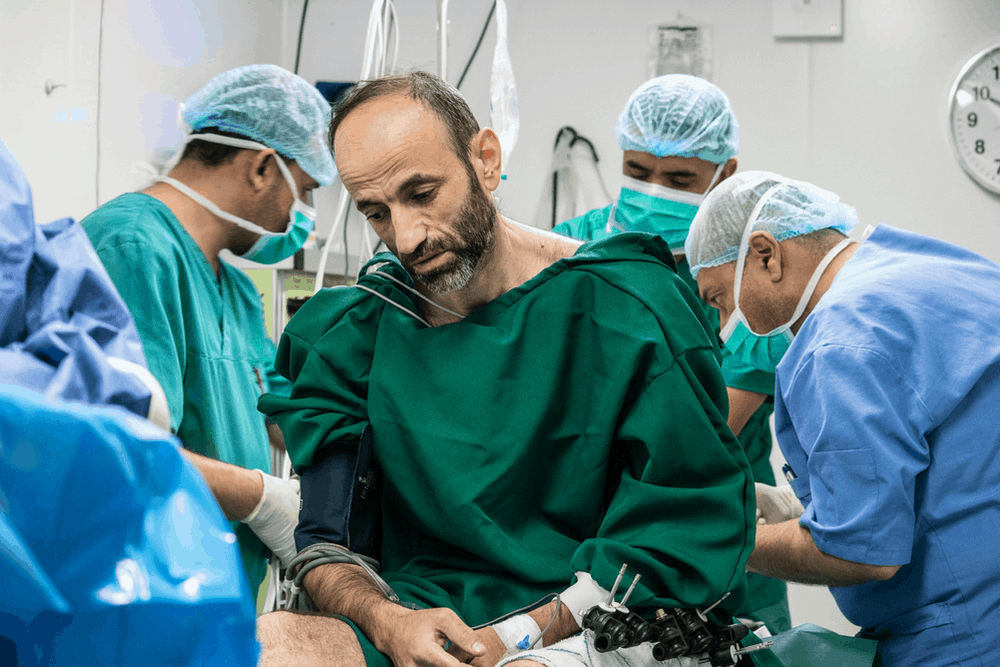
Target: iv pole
{"points": [[442, 35]]}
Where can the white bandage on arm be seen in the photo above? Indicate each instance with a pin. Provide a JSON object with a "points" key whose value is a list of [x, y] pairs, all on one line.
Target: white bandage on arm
{"points": [[518, 632], [583, 595]]}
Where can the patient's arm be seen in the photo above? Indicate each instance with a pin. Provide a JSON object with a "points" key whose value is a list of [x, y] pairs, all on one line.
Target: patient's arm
{"points": [[563, 626], [410, 637]]}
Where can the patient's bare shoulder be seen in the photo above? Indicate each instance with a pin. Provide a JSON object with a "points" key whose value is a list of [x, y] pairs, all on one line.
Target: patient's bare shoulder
{"points": [[544, 246]]}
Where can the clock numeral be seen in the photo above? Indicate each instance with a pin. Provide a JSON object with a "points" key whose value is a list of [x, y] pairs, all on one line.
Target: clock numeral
{"points": [[981, 92], [998, 167], [973, 119], [996, 72], [980, 147]]}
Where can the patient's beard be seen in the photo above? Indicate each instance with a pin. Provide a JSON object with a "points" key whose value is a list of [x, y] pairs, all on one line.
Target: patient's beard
{"points": [[473, 238]]}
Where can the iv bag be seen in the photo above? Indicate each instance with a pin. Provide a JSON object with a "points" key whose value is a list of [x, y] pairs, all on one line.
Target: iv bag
{"points": [[504, 118]]}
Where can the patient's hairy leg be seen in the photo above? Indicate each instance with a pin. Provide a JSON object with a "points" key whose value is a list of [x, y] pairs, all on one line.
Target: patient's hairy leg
{"points": [[307, 640]]}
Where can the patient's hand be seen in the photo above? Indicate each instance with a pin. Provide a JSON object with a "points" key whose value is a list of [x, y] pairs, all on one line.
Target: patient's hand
{"points": [[495, 649], [417, 638]]}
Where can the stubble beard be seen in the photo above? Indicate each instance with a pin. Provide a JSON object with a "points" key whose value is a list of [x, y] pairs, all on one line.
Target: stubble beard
{"points": [[472, 241]]}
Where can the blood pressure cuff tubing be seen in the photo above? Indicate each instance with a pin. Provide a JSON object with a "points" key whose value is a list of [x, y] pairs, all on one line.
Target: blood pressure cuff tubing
{"points": [[340, 499]]}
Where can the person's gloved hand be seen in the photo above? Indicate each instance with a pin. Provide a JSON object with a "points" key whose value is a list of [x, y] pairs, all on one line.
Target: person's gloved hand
{"points": [[274, 518], [776, 504]]}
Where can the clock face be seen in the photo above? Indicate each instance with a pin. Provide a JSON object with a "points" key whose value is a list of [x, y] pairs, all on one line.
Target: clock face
{"points": [[975, 118]]}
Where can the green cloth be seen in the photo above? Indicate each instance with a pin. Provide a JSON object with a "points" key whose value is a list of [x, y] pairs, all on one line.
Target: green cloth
{"points": [[574, 423], [203, 337], [809, 644], [767, 599]]}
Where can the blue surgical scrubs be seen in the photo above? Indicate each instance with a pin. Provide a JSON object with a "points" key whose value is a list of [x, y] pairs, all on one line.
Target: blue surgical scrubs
{"points": [[888, 411]]}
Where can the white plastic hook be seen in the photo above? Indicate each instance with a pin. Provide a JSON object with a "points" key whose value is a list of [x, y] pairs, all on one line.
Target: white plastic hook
{"points": [[51, 85]]}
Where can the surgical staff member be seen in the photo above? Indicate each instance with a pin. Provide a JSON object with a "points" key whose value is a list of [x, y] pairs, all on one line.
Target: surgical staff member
{"points": [[256, 147], [885, 407], [680, 139]]}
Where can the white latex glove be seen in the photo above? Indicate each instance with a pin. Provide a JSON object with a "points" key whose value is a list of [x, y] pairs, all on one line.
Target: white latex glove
{"points": [[776, 504], [274, 518]]}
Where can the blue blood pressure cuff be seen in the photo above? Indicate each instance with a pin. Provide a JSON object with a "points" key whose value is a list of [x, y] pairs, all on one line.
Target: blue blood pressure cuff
{"points": [[340, 499]]}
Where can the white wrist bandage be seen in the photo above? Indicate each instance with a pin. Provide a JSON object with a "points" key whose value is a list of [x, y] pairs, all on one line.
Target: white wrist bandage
{"points": [[518, 632], [583, 595]]}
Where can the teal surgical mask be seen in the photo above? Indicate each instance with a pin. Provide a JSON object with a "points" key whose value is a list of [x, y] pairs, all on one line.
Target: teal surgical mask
{"points": [[271, 247], [764, 351], [652, 208]]}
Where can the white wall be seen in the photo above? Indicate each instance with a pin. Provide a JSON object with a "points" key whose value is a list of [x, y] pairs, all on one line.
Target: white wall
{"points": [[152, 54], [53, 135], [864, 116]]}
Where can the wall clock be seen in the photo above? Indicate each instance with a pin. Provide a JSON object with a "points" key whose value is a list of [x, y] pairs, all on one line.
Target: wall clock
{"points": [[974, 117]]}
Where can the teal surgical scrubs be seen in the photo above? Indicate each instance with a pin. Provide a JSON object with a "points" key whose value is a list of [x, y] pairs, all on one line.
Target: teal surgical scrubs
{"points": [[767, 599], [203, 336], [574, 423]]}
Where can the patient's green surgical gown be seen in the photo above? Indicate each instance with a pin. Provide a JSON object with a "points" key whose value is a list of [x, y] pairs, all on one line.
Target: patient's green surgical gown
{"points": [[767, 599], [574, 423], [203, 336]]}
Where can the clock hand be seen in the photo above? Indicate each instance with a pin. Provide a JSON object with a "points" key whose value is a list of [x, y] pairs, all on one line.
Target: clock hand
{"points": [[994, 100]]}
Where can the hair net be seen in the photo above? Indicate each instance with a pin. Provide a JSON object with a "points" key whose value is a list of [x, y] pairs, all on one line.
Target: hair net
{"points": [[272, 106], [679, 115], [795, 208]]}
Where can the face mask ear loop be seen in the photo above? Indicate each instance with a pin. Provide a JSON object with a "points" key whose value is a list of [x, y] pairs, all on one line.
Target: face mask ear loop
{"points": [[814, 280], [715, 178], [299, 204], [210, 205], [741, 259]]}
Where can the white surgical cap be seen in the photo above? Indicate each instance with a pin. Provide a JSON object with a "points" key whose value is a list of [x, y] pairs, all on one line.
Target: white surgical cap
{"points": [[793, 209], [272, 106], [679, 115]]}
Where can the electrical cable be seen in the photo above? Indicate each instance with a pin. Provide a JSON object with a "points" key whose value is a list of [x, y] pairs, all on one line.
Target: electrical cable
{"points": [[382, 20], [327, 553], [548, 625], [523, 610], [302, 27], [347, 267], [416, 293], [478, 44], [97, 111], [299, 257]]}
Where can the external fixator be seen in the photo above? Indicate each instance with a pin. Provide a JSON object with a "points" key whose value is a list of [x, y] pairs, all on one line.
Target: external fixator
{"points": [[674, 633]]}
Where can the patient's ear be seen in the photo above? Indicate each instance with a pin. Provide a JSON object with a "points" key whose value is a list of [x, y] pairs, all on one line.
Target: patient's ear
{"points": [[486, 158]]}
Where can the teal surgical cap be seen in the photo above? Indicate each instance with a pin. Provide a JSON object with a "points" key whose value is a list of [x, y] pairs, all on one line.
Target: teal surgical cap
{"points": [[679, 115], [269, 105], [792, 209]]}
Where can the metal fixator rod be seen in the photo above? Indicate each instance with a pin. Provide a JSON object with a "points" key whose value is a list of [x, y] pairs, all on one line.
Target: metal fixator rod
{"points": [[630, 589], [712, 606], [755, 647], [618, 580]]}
